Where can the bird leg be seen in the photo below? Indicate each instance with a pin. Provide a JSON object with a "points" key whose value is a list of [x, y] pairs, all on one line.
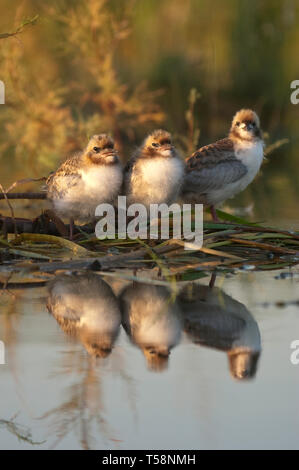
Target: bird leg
{"points": [[71, 228], [214, 214], [212, 280]]}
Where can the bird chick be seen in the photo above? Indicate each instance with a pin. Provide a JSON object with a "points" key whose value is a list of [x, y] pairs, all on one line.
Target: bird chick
{"points": [[86, 180], [221, 170], [86, 308], [152, 322], [155, 172], [214, 319]]}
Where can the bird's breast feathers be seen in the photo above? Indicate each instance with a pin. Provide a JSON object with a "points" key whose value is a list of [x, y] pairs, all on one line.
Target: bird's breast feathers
{"points": [[251, 155], [102, 182], [80, 194], [157, 179], [158, 169]]}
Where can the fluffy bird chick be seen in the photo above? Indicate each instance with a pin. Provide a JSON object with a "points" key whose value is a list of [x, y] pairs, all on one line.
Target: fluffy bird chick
{"points": [[214, 319], [152, 321], [86, 180], [220, 170], [86, 308], [154, 174]]}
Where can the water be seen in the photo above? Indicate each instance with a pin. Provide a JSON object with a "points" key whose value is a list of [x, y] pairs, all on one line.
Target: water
{"points": [[57, 394]]}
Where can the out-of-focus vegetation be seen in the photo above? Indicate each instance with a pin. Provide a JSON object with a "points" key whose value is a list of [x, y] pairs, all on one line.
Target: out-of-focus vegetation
{"points": [[20, 28], [126, 67]]}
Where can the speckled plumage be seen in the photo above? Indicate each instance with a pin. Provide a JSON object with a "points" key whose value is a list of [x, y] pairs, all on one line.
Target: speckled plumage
{"points": [[86, 180]]}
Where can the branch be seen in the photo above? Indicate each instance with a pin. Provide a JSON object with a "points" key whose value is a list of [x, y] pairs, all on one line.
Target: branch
{"points": [[104, 263], [23, 195], [29, 21], [22, 285]]}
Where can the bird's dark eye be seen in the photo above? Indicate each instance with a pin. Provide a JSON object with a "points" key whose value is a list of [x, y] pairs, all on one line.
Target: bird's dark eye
{"points": [[155, 144], [96, 149], [237, 123]]}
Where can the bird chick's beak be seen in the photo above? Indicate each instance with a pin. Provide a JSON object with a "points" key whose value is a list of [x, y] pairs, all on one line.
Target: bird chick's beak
{"points": [[243, 364], [163, 352], [166, 150], [110, 155], [249, 126]]}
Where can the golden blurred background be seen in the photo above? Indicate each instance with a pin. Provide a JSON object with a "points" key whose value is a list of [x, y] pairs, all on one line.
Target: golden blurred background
{"points": [[126, 67]]}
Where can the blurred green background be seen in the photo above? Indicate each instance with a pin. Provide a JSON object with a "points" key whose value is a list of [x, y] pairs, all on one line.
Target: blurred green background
{"points": [[127, 67]]}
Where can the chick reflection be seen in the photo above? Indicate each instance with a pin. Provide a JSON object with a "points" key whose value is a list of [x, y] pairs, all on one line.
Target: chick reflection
{"points": [[216, 320], [152, 321], [85, 307]]}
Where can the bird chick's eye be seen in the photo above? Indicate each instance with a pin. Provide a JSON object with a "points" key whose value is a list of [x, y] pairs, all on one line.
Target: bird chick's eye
{"points": [[155, 144], [96, 149], [237, 123]]}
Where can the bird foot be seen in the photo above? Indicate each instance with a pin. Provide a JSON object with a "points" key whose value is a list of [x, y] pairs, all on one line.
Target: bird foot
{"points": [[214, 214], [212, 280]]}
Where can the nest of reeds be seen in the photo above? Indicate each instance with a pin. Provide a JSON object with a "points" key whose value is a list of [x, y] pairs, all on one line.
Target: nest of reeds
{"points": [[230, 245]]}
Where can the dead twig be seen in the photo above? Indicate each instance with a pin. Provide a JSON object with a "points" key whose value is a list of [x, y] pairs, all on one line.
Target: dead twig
{"points": [[265, 246], [25, 180], [21, 285], [27, 22], [6, 195], [10, 208]]}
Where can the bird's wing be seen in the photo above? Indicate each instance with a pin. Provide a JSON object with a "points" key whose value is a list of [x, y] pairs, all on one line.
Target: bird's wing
{"points": [[129, 167], [214, 327], [67, 317], [212, 167], [69, 170], [128, 170]]}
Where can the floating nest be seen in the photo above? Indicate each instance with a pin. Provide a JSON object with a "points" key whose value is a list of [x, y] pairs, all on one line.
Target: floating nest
{"points": [[230, 245]]}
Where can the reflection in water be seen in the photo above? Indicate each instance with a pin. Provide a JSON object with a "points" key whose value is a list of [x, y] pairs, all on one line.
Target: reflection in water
{"points": [[152, 320], [85, 307], [22, 433], [216, 320], [82, 410]]}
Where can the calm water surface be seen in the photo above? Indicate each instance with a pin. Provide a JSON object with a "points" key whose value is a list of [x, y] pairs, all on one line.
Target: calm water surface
{"points": [[87, 364], [104, 364]]}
